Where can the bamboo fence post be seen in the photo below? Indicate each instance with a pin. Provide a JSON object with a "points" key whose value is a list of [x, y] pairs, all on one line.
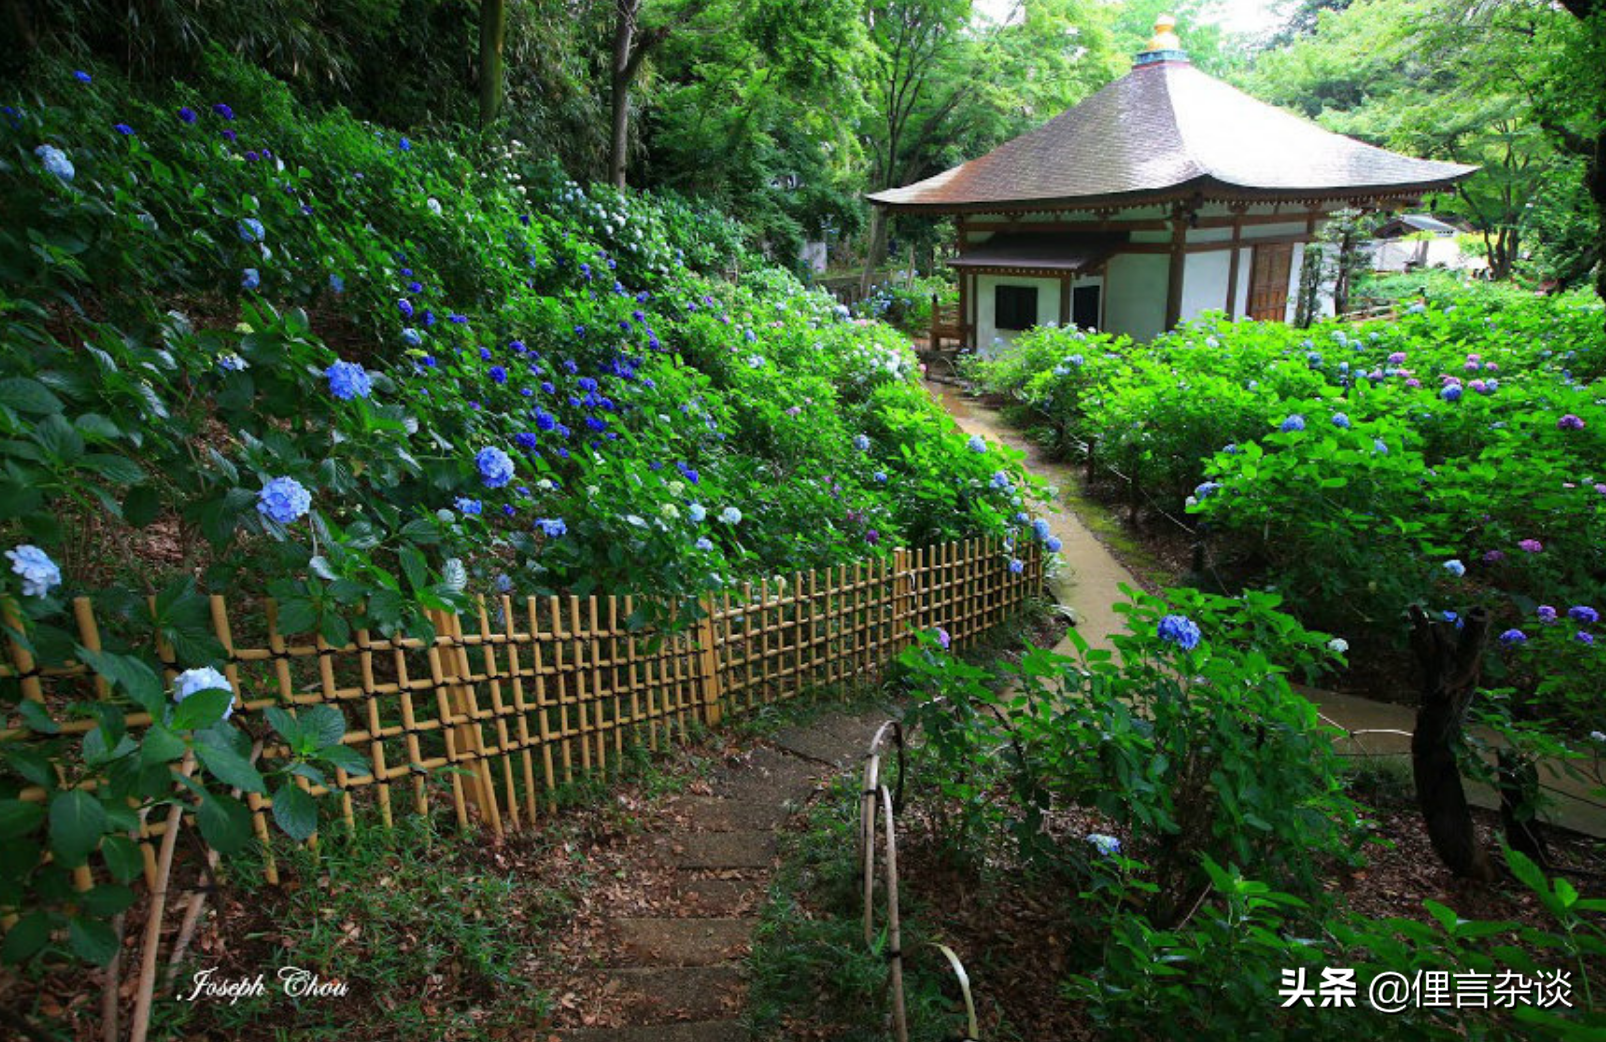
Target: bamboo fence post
{"points": [[708, 662]]}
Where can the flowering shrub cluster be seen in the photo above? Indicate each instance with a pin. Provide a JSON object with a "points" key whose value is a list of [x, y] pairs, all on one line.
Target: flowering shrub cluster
{"points": [[1457, 455], [259, 352]]}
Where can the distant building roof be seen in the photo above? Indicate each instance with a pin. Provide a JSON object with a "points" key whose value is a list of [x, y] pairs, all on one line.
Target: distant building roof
{"points": [[1166, 131], [1407, 223]]}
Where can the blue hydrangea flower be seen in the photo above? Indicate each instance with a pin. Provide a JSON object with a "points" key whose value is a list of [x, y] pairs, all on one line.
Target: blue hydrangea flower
{"points": [[880, 477], [1341, 420], [1511, 637], [1455, 567], [1206, 490], [205, 678], [494, 465], [284, 500], [1107, 846], [1016, 565], [186, 114], [1053, 544], [251, 230], [1451, 392], [976, 444], [862, 443], [1295, 422], [731, 516], [1584, 638], [251, 279], [55, 161], [232, 363], [1000, 480], [39, 573], [123, 129], [405, 306], [1180, 630], [697, 512], [466, 505], [1040, 527], [1380, 446], [551, 527], [412, 337], [348, 380], [223, 110], [498, 374], [1583, 613], [337, 284], [82, 77], [704, 543], [404, 145]]}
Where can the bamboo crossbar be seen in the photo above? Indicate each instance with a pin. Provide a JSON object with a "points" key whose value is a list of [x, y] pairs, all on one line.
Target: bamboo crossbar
{"points": [[520, 696]]}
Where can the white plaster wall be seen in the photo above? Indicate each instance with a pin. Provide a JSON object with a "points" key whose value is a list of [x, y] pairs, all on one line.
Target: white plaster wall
{"points": [[1048, 307], [1135, 294], [1204, 282]]}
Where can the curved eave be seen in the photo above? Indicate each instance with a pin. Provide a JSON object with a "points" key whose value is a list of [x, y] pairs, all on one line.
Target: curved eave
{"points": [[1201, 189]]}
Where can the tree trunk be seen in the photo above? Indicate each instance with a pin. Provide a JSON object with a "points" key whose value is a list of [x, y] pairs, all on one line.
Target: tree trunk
{"points": [[624, 34], [1451, 663], [878, 247], [493, 30]]}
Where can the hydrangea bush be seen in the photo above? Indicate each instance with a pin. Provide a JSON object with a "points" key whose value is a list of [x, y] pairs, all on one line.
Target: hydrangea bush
{"points": [[254, 351], [1456, 455]]}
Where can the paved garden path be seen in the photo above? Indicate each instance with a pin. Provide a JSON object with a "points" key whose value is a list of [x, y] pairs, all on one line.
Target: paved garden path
{"points": [[678, 975], [1375, 728]]}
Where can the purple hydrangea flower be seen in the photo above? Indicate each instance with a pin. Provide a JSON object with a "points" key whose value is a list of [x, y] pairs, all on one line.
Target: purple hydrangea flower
{"points": [[1513, 637], [1532, 546], [1570, 422], [1546, 614], [1583, 613], [223, 110], [187, 114]]}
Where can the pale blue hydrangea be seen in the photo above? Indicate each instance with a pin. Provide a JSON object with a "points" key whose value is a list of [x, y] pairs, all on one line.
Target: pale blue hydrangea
{"points": [[731, 516], [697, 512], [348, 380], [466, 505], [284, 500], [1341, 420], [1016, 566], [976, 444], [704, 543], [232, 363], [205, 678], [552, 527], [494, 465], [55, 161], [250, 279], [1000, 480], [251, 230], [1107, 846], [880, 477], [1455, 568], [39, 573], [862, 443], [1052, 544], [1295, 422], [337, 284]]}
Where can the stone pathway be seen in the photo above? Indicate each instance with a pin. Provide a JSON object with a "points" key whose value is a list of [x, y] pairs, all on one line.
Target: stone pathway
{"points": [[1094, 585], [677, 976]]}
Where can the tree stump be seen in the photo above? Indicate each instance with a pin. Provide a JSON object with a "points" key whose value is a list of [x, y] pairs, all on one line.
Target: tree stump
{"points": [[1451, 663]]}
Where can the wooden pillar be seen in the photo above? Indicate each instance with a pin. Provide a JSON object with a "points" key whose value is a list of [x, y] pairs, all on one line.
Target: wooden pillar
{"points": [[1065, 300], [967, 337], [1232, 262], [1179, 258]]}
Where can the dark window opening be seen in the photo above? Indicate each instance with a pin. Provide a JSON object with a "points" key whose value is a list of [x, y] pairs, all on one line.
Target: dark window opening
{"points": [[1085, 307], [1015, 307]]}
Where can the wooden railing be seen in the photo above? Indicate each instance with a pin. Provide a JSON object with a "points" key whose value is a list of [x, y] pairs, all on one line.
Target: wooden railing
{"points": [[946, 324]]}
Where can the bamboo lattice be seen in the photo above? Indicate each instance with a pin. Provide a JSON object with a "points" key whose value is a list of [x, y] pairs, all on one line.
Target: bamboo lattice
{"points": [[514, 700]]}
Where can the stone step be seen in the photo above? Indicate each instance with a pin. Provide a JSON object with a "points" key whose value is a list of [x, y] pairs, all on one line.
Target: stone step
{"points": [[718, 814], [821, 747], [718, 898], [707, 1031], [672, 995], [681, 942], [716, 850]]}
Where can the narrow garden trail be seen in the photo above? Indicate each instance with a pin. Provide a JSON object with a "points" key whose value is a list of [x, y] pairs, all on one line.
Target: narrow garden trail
{"points": [[667, 964], [1377, 729]]}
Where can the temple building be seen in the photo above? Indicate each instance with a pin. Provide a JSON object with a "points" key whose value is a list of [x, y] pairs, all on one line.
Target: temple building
{"points": [[1165, 195]]}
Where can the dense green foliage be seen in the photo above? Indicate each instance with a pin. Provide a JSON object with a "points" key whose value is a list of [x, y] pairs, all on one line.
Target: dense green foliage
{"points": [[535, 388], [1364, 467], [1227, 822]]}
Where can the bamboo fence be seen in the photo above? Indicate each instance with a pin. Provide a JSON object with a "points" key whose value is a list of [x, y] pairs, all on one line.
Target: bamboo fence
{"points": [[521, 696]]}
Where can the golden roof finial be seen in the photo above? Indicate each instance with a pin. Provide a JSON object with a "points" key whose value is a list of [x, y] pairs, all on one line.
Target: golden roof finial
{"points": [[1165, 38]]}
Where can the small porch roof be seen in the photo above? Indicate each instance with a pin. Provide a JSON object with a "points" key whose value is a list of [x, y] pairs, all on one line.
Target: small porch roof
{"points": [[1050, 254]]}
